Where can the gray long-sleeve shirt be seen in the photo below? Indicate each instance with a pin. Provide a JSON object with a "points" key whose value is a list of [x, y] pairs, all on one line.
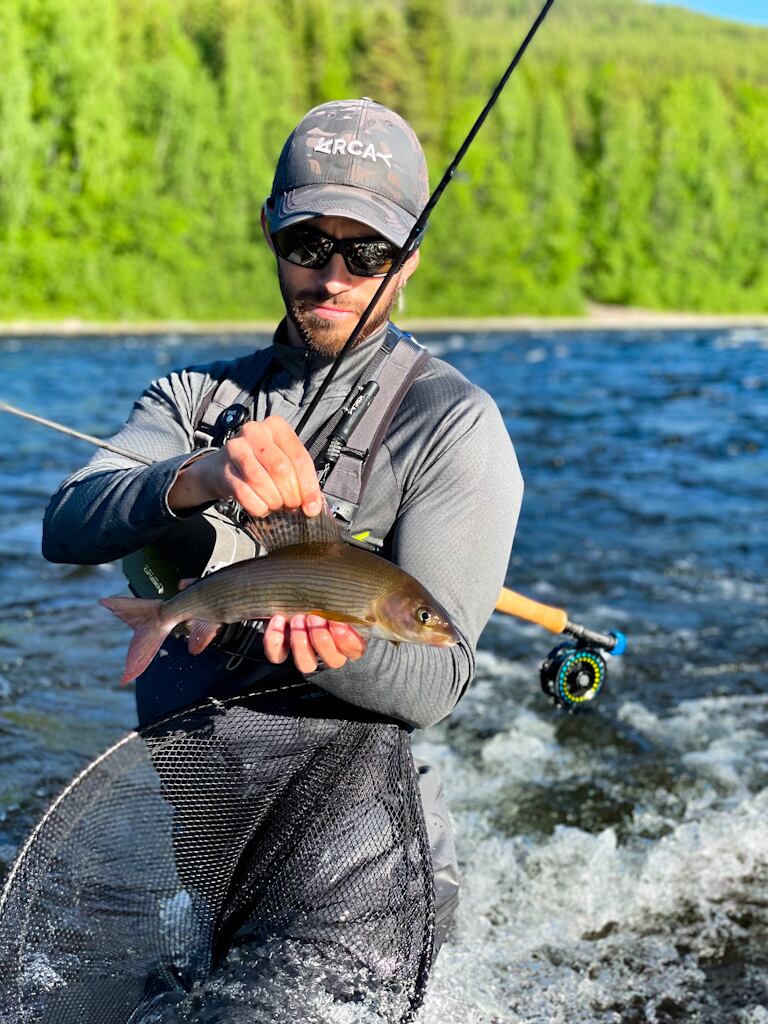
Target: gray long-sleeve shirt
{"points": [[445, 491]]}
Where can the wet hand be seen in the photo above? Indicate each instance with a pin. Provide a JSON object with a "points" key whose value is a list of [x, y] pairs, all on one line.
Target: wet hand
{"points": [[311, 638], [265, 468]]}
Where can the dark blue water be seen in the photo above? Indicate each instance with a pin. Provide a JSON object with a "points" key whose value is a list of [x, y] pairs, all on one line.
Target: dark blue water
{"points": [[615, 863]]}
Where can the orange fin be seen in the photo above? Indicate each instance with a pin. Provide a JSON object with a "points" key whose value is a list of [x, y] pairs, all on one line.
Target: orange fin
{"points": [[144, 616], [337, 616], [201, 634]]}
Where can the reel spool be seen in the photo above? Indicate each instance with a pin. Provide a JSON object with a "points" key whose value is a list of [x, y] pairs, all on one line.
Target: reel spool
{"points": [[573, 675]]}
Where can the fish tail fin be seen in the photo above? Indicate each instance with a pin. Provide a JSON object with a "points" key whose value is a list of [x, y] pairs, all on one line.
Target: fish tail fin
{"points": [[144, 616]]}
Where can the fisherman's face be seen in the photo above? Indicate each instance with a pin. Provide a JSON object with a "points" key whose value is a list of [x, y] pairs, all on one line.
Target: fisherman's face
{"points": [[324, 305]]}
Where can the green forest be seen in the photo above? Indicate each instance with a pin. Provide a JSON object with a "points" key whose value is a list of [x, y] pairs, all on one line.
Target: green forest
{"points": [[626, 162]]}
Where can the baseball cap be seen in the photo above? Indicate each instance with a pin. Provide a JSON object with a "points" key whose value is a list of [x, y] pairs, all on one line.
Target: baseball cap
{"points": [[351, 158]]}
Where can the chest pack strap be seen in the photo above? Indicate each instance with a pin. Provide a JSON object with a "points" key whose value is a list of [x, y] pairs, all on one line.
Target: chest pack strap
{"points": [[347, 480], [226, 393]]}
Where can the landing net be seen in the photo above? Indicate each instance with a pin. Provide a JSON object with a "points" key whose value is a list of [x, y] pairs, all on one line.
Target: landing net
{"points": [[240, 860]]}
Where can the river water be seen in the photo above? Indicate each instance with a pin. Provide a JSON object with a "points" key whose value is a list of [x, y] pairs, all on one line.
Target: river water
{"points": [[615, 863]]}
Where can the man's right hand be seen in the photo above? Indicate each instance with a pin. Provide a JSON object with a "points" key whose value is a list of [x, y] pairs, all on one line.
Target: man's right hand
{"points": [[265, 468]]}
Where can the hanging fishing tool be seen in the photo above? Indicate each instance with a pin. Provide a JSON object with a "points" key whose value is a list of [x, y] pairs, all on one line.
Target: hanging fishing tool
{"points": [[574, 673], [355, 406], [230, 421]]}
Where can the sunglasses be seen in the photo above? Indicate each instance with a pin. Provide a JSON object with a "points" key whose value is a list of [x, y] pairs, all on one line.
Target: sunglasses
{"points": [[307, 247]]}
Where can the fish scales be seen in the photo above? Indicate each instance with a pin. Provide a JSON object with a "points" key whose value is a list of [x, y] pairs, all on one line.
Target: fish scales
{"points": [[329, 576]]}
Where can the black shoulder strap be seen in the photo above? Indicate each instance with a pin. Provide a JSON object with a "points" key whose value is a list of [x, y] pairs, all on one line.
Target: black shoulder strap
{"points": [[225, 392], [347, 480]]}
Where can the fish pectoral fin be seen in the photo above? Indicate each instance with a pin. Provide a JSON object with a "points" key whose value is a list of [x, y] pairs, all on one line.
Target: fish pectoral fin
{"points": [[201, 634]]}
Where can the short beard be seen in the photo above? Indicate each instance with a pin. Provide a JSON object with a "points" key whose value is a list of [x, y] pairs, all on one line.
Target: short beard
{"points": [[323, 336]]}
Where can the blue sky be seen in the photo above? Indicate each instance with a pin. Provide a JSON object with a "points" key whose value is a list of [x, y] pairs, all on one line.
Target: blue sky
{"points": [[754, 11]]}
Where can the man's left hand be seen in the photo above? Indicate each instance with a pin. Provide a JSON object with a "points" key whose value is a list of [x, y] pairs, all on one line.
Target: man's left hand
{"points": [[311, 638]]}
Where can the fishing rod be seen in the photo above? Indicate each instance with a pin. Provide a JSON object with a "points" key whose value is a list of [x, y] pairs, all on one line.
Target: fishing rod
{"points": [[412, 241], [572, 675]]}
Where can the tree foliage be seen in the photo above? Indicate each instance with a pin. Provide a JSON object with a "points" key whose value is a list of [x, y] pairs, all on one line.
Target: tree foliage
{"points": [[626, 162]]}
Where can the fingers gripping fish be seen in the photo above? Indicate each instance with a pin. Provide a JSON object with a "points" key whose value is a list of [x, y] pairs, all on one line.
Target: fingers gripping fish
{"points": [[307, 569]]}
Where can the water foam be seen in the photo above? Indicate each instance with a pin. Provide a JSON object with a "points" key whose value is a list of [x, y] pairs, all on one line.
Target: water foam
{"points": [[585, 926]]}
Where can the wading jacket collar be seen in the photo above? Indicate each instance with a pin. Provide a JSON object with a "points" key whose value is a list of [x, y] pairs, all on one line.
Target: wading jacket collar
{"points": [[299, 372]]}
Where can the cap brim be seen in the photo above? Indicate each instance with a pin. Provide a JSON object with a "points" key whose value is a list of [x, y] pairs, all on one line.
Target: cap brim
{"points": [[382, 215]]}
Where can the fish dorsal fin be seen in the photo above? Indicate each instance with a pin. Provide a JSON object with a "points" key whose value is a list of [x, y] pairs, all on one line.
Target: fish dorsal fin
{"points": [[282, 529]]}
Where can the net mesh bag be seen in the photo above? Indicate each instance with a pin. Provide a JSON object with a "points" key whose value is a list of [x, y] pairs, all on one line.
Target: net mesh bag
{"points": [[262, 858]]}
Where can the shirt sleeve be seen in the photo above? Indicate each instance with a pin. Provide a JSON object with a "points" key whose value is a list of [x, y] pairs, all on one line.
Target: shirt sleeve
{"points": [[453, 533], [113, 506]]}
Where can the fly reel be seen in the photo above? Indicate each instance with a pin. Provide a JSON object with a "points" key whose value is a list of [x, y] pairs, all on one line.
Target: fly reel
{"points": [[574, 674]]}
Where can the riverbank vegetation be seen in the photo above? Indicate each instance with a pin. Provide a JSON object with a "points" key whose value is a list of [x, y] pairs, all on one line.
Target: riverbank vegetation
{"points": [[627, 162]]}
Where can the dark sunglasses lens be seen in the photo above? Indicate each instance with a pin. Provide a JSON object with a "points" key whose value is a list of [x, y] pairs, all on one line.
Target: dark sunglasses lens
{"points": [[367, 257], [371, 257], [302, 247]]}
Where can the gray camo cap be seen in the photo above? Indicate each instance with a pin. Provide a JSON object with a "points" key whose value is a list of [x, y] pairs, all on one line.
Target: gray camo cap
{"points": [[351, 158]]}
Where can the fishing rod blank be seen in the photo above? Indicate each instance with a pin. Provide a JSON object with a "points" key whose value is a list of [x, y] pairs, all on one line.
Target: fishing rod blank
{"points": [[5, 407], [411, 242]]}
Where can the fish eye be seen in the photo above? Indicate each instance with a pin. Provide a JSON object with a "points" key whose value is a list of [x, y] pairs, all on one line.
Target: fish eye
{"points": [[424, 615]]}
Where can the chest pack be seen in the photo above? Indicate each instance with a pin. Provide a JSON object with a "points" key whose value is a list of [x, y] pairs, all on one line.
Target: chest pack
{"points": [[344, 466]]}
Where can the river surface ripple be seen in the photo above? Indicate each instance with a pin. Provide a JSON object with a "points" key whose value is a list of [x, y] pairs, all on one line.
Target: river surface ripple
{"points": [[615, 863]]}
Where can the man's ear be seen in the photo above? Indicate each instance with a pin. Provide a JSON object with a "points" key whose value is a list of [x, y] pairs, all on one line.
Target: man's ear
{"points": [[265, 228], [410, 265]]}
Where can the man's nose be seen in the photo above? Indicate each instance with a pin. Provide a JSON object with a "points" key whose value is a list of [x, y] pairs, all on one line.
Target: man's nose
{"points": [[335, 276]]}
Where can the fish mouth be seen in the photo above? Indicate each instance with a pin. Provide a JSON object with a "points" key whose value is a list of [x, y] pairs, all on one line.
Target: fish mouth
{"points": [[447, 640]]}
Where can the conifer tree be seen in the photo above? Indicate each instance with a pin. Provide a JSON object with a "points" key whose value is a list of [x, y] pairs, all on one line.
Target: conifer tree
{"points": [[430, 29], [381, 61], [16, 132], [752, 131], [100, 120], [258, 84], [693, 203], [556, 255], [325, 67], [258, 106], [617, 214]]}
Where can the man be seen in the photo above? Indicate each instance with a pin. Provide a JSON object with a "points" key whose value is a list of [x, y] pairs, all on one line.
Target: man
{"points": [[443, 491]]}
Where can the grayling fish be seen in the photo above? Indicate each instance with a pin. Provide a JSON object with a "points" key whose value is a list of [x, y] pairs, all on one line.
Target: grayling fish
{"points": [[308, 569]]}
